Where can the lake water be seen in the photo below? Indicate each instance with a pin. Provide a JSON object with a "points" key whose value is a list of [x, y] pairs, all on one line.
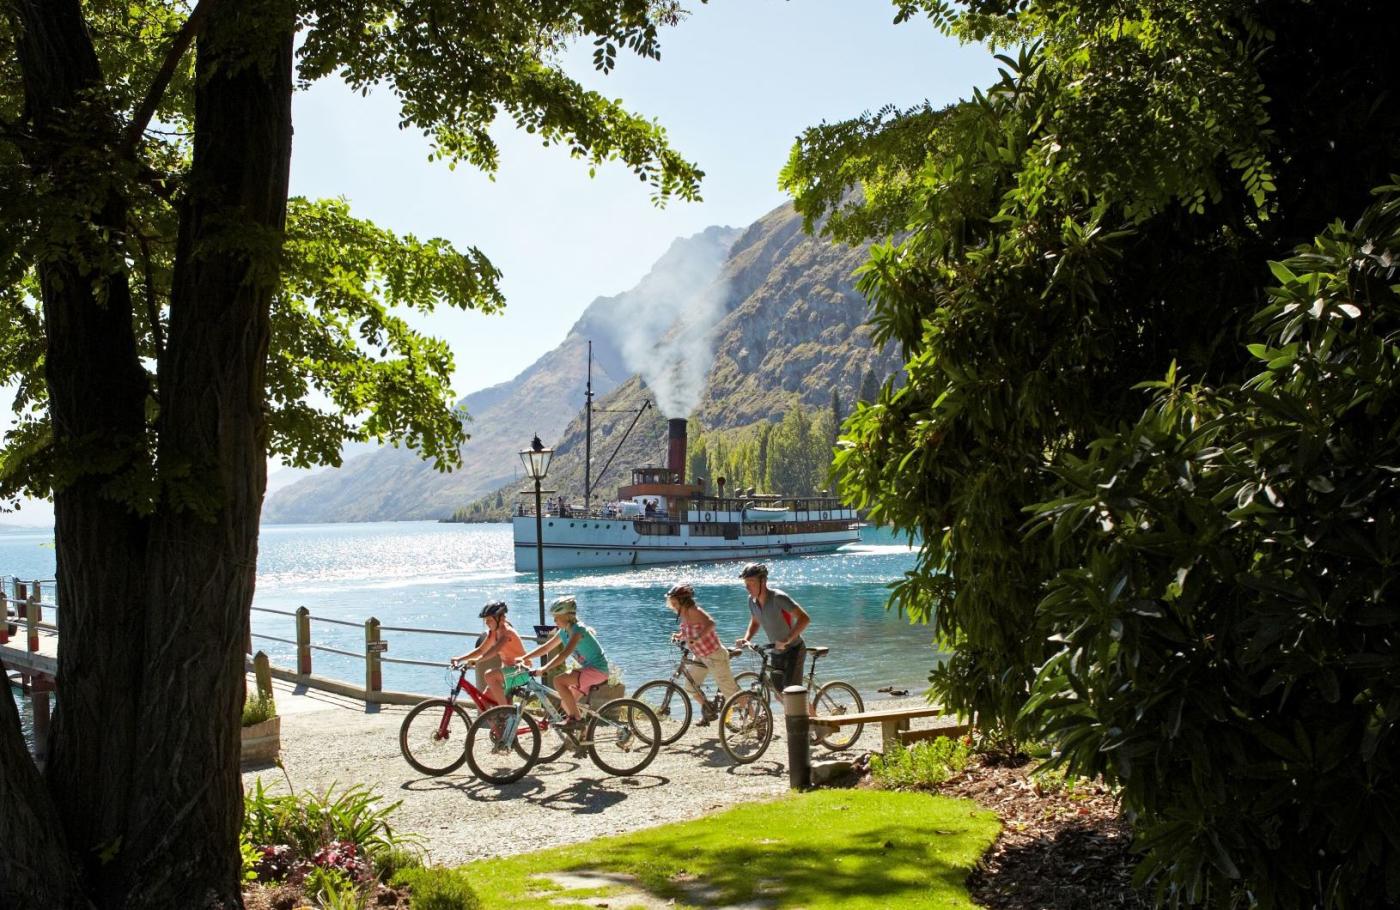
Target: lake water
{"points": [[431, 575]]}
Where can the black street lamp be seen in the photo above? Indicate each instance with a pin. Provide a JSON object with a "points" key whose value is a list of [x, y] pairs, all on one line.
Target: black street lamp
{"points": [[536, 461]]}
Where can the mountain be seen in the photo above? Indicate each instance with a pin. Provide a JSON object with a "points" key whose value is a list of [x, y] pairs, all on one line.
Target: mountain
{"points": [[729, 327], [394, 484]]}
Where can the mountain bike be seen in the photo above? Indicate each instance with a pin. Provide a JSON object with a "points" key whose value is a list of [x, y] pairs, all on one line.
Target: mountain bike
{"points": [[746, 720], [671, 701], [433, 737], [504, 743]]}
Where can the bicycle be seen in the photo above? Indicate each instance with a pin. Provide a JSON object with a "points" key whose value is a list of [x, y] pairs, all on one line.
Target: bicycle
{"points": [[504, 742], [428, 737], [670, 700], [746, 720]]}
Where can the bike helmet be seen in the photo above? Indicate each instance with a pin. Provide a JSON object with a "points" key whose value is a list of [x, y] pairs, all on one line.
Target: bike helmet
{"points": [[682, 591], [494, 608], [565, 604], [754, 570]]}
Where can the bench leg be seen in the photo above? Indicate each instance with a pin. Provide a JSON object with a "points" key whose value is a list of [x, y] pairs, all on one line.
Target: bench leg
{"points": [[890, 730]]}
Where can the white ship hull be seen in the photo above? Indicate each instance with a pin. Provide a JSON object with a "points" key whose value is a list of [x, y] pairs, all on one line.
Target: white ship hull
{"points": [[577, 543]]}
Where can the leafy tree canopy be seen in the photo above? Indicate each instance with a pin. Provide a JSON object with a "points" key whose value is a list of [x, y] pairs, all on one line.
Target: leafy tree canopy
{"points": [[343, 365]]}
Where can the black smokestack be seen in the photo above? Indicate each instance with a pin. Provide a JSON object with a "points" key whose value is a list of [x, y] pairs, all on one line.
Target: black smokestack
{"points": [[675, 447]]}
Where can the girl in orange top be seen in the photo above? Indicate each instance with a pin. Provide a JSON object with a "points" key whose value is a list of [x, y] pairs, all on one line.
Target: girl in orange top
{"points": [[504, 642]]}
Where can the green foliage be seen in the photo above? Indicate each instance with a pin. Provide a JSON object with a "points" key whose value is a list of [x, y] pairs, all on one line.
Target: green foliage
{"points": [[1229, 632], [922, 766], [1099, 212], [437, 888], [312, 821], [258, 708], [344, 363], [332, 889]]}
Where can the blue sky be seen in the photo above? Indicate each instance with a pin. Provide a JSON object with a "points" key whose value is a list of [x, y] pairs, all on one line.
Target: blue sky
{"points": [[737, 82]]}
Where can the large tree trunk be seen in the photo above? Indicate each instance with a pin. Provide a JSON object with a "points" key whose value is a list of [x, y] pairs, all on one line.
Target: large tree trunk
{"points": [[97, 393], [154, 609], [186, 807]]}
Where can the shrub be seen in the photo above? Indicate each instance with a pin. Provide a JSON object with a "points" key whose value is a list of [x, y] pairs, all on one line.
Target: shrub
{"points": [[258, 708], [347, 830], [1228, 643], [925, 765], [437, 888]]}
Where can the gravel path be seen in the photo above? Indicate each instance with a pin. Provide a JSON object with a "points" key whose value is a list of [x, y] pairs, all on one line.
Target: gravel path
{"points": [[327, 739]]}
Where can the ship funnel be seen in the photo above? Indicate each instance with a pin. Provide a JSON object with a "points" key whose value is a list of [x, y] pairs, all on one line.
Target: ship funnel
{"points": [[675, 447]]}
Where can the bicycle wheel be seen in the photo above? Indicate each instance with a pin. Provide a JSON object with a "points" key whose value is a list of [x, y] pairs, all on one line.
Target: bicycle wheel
{"points": [[746, 680], [745, 726], [835, 699], [671, 706], [623, 737], [502, 745], [552, 742], [433, 737]]}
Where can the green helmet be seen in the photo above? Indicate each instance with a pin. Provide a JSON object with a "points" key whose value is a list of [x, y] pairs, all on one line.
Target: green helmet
{"points": [[565, 604]]}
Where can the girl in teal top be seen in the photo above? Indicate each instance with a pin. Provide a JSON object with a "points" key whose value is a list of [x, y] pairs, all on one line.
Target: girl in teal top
{"points": [[580, 641]]}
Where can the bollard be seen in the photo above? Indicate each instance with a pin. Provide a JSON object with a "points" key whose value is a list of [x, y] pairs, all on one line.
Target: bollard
{"points": [[374, 679], [799, 727], [303, 641], [262, 672]]}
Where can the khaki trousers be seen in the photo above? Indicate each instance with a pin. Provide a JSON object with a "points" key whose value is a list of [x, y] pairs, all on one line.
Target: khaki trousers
{"points": [[717, 662]]}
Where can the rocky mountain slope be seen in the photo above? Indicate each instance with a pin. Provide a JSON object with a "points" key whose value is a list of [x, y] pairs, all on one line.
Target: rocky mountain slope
{"points": [[777, 321], [394, 484]]}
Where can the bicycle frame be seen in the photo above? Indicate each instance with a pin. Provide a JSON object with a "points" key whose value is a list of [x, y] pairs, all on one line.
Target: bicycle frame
{"points": [[765, 674]]}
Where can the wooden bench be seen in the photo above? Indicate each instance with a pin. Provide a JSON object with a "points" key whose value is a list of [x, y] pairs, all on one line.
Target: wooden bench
{"points": [[894, 724]]}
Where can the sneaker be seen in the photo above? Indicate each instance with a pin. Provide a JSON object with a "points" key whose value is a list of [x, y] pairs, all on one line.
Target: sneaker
{"points": [[571, 724], [705, 721]]}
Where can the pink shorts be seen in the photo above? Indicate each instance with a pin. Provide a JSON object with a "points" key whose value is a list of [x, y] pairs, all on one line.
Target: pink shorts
{"points": [[588, 678]]}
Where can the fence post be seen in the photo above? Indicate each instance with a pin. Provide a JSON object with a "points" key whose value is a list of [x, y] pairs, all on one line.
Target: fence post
{"points": [[303, 641], [798, 727], [31, 620], [6, 630], [262, 672], [374, 680]]}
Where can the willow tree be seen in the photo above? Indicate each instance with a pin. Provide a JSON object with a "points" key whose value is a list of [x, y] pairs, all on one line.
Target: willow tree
{"points": [[167, 315]]}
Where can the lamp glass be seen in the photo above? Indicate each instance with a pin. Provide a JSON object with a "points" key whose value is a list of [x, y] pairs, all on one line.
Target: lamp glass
{"points": [[536, 462]]}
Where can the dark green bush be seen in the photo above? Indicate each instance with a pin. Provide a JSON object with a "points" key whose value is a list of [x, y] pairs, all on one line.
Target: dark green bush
{"points": [[436, 888], [1229, 643]]}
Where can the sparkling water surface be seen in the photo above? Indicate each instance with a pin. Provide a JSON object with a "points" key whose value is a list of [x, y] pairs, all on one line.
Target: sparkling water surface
{"points": [[437, 576]]}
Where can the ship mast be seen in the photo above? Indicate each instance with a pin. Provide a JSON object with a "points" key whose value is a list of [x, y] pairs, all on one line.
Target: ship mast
{"points": [[588, 437]]}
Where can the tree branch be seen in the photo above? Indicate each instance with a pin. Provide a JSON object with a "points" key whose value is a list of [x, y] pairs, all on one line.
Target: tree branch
{"points": [[183, 39]]}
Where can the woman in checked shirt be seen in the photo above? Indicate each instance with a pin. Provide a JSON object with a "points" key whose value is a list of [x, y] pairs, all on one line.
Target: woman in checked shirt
{"points": [[697, 630]]}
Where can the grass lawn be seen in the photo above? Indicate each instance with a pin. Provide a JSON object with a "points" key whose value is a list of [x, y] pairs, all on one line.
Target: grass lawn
{"points": [[826, 849]]}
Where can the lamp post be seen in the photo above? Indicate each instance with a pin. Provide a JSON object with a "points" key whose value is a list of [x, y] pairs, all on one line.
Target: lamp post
{"points": [[536, 461]]}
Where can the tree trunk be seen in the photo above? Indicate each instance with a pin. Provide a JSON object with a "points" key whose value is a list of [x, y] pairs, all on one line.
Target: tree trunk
{"points": [[97, 395], [187, 805], [155, 609]]}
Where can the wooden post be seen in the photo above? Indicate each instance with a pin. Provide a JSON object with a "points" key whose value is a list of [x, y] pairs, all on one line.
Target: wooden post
{"points": [[39, 688], [374, 680], [798, 729], [262, 672], [31, 620], [303, 641], [6, 630]]}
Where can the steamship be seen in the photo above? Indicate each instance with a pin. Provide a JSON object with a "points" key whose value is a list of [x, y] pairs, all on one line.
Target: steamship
{"points": [[659, 518]]}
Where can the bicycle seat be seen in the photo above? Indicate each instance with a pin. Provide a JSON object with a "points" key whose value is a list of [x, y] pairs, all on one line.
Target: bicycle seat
{"points": [[818, 652]]}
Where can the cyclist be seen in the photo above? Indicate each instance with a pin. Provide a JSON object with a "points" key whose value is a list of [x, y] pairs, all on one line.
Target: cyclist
{"points": [[503, 643], [581, 642], [697, 630], [783, 621]]}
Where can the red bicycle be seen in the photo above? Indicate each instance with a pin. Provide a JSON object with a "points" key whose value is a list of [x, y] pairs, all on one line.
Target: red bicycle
{"points": [[433, 737]]}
